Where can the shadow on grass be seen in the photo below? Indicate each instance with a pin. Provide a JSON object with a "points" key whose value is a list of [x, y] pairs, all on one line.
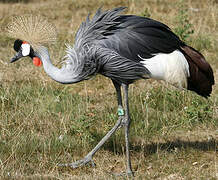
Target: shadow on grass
{"points": [[169, 146], [172, 146]]}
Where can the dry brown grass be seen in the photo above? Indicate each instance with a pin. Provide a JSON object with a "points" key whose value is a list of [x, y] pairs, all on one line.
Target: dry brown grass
{"points": [[189, 152]]}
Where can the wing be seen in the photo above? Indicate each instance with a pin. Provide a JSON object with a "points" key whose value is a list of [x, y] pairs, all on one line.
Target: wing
{"points": [[130, 36], [136, 36]]}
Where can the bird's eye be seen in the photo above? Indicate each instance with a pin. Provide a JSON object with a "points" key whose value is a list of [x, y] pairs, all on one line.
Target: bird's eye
{"points": [[25, 49]]}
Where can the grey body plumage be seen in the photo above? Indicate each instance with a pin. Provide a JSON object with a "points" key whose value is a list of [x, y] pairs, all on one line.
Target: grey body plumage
{"points": [[92, 52]]}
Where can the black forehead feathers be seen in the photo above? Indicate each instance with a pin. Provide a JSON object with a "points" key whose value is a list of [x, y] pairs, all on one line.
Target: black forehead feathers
{"points": [[17, 44]]}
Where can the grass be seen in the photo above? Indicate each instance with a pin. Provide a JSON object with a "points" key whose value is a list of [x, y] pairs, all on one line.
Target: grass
{"points": [[42, 123]]}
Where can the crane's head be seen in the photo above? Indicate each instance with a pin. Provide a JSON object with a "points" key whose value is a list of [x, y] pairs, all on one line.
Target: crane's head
{"points": [[35, 30], [24, 49]]}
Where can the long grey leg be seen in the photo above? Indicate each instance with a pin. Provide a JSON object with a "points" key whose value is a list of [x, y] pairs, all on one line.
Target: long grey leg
{"points": [[88, 157], [126, 126]]}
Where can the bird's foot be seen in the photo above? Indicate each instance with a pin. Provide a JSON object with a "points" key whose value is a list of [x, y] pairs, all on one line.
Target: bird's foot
{"points": [[79, 163]]}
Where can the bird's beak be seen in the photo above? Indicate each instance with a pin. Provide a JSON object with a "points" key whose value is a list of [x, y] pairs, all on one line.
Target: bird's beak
{"points": [[17, 56]]}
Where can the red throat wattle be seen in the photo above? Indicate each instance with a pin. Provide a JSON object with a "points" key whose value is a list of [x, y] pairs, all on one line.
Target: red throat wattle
{"points": [[37, 61]]}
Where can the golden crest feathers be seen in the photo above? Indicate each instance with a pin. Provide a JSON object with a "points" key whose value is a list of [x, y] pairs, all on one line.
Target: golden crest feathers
{"points": [[34, 29]]}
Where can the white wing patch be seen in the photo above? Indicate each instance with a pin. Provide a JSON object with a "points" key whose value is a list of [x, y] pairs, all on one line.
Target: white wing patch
{"points": [[25, 49], [172, 67]]}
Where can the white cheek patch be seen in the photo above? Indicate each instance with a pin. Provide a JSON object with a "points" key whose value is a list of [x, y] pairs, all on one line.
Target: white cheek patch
{"points": [[25, 49]]}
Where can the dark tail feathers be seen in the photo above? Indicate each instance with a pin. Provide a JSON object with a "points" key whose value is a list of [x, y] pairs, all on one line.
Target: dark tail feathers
{"points": [[201, 74]]}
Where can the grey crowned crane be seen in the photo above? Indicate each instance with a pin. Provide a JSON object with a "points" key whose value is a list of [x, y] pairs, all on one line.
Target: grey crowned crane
{"points": [[124, 48]]}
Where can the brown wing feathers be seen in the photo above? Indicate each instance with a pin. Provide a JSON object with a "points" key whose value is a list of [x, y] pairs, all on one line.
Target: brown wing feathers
{"points": [[201, 74]]}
